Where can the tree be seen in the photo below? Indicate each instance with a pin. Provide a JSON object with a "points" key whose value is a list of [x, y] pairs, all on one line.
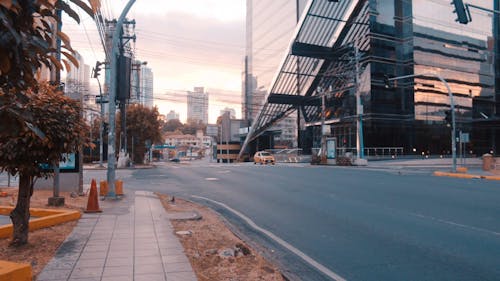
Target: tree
{"points": [[58, 117], [192, 126], [172, 125], [26, 35], [143, 124], [38, 122]]}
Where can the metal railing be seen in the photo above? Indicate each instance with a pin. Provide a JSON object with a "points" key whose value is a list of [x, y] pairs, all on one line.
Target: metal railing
{"points": [[289, 155]]}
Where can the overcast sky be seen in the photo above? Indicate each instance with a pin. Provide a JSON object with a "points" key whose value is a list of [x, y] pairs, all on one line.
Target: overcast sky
{"points": [[186, 43]]}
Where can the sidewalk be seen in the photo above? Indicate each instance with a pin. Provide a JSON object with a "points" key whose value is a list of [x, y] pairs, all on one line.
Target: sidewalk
{"points": [[132, 239]]}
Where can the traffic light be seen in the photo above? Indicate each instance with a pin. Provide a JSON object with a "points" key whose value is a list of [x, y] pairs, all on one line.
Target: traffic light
{"points": [[447, 116], [97, 69], [462, 11], [387, 83]]}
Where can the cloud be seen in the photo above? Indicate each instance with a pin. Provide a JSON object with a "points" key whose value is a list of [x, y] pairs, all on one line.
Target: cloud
{"points": [[186, 41]]}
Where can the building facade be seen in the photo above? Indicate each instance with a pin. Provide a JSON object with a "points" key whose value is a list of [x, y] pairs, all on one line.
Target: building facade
{"points": [[77, 87], [269, 27], [344, 52], [172, 115], [141, 80], [197, 105], [231, 111], [146, 87]]}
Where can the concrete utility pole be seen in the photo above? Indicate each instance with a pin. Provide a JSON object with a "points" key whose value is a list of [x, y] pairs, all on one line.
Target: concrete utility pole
{"points": [[360, 147], [111, 175], [452, 109], [56, 200], [323, 136]]}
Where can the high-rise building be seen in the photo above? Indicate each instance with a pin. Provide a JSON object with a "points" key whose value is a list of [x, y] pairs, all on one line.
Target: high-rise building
{"points": [[77, 86], [231, 111], [269, 27], [147, 98], [342, 52], [172, 115], [141, 81], [197, 105]]}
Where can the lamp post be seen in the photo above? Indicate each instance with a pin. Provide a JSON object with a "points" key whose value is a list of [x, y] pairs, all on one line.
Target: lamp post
{"points": [[452, 109]]}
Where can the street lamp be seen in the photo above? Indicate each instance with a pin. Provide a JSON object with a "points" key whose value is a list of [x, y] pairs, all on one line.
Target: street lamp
{"points": [[452, 109]]}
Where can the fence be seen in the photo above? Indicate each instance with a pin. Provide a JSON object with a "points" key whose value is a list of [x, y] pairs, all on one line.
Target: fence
{"points": [[292, 155]]}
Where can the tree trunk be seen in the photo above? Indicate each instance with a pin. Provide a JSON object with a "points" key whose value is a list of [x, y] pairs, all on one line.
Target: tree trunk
{"points": [[20, 216]]}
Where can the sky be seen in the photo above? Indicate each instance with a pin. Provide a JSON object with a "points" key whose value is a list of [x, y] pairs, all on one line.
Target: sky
{"points": [[187, 44]]}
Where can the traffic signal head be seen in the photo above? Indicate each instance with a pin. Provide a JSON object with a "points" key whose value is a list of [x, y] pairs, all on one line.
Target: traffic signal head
{"points": [[97, 69], [462, 11], [387, 82]]}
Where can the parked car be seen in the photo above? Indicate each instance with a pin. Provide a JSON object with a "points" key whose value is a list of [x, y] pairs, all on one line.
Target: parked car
{"points": [[263, 157]]}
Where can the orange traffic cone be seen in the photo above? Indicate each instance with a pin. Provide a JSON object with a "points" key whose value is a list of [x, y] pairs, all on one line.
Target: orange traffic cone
{"points": [[93, 203]]}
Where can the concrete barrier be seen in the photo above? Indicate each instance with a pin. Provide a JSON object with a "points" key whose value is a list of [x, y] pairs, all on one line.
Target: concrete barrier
{"points": [[46, 218], [12, 271], [119, 187], [103, 188]]}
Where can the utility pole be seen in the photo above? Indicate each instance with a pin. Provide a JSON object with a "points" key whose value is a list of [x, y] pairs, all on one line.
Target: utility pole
{"points": [[112, 102], [56, 200], [323, 130], [359, 109]]}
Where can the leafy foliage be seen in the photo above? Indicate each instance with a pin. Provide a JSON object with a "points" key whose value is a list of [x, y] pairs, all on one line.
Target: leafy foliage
{"points": [[172, 125], [143, 124], [27, 31], [38, 123], [191, 127], [57, 116]]}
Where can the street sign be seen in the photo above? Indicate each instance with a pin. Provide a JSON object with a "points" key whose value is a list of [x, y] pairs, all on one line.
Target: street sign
{"points": [[101, 99], [464, 137]]}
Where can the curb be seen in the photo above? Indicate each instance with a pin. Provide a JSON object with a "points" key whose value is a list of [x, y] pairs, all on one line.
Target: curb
{"points": [[464, 176]]}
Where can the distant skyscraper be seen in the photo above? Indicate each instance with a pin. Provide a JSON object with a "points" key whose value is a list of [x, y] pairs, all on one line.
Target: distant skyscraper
{"points": [[146, 86], [197, 105], [232, 112], [142, 84], [172, 115], [77, 84]]}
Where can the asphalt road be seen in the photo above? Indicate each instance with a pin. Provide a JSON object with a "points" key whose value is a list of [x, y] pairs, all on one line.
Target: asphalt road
{"points": [[360, 224]]}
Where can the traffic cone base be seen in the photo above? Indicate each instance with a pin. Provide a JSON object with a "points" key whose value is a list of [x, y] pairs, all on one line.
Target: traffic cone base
{"points": [[93, 202]]}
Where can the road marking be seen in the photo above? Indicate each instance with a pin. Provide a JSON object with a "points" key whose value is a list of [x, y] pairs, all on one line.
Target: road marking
{"points": [[211, 179], [470, 227], [280, 241]]}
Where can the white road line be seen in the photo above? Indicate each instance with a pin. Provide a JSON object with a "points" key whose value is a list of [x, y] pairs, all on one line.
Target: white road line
{"points": [[280, 241], [470, 227], [211, 179]]}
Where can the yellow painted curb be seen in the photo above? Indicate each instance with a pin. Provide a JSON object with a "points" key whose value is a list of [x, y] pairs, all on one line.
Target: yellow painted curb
{"points": [[47, 217], [464, 176], [12, 271]]}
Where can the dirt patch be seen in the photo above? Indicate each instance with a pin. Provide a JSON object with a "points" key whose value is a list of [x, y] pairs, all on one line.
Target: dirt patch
{"points": [[43, 243], [214, 251]]}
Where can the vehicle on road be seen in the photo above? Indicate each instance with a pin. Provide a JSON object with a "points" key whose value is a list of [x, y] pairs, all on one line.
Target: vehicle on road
{"points": [[263, 157]]}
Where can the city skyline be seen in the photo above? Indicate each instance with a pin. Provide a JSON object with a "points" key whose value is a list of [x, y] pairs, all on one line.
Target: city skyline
{"points": [[186, 45]]}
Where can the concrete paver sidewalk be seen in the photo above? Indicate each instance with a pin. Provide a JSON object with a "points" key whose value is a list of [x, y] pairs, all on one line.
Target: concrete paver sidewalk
{"points": [[132, 239]]}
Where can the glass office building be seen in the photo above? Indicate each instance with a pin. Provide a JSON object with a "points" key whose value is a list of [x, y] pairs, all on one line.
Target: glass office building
{"points": [[346, 49], [269, 28]]}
